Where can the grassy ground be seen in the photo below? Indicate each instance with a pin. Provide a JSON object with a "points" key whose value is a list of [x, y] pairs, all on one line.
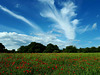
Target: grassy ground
{"points": [[50, 64]]}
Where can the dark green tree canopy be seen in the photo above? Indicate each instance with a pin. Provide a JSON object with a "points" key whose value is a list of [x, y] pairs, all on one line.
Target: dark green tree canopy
{"points": [[2, 47], [50, 48], [33, 47]]}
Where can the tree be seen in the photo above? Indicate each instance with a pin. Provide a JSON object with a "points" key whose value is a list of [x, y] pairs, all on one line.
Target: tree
{"points": [[93, 49], [71, 49], [23, 49], [98, 49], [87, 49], [50, 48], [36, 47], [56, 51], [13, 50], [33, 47], [2, 48]]}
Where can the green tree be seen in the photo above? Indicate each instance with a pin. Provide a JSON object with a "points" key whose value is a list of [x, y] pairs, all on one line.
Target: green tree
{"points": [[56, 51], [93, 49], [98, 49], [36, 47], [50, 48], [23, 49], [71, 49], [2, 48]]}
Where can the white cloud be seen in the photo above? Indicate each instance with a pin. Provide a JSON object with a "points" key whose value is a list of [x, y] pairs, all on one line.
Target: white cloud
{"points": [[13, 40], [83, 29], [94, 26], [75, 22], [33, 25], [47, 1], [62, 18], [87, 28]]}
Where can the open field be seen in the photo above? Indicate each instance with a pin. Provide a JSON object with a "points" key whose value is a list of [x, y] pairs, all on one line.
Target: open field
{"points": [[50, 64]]}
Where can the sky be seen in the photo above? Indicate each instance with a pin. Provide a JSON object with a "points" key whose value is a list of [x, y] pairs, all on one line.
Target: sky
{"points": [[60, 22]]}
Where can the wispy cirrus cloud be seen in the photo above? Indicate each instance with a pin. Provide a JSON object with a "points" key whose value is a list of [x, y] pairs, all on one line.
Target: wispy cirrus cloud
{"points": [[33, 25], [94, 26], [87, 28], [63, 18]]}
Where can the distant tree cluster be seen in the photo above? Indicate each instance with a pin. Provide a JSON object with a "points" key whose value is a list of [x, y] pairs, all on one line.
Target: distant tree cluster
{"points": [[3, 50], [34, 47]]}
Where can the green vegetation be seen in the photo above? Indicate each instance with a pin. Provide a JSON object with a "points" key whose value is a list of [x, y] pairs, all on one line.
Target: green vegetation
{"points": [[50, 64], [34, 47]]}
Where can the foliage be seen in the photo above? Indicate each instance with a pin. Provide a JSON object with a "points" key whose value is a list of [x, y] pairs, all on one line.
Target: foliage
{"points": [[50, 64], [50, 48], [34, 47]]}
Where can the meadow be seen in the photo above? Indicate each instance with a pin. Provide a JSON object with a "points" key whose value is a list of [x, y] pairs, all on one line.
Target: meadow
{"points": [[49, 63]]}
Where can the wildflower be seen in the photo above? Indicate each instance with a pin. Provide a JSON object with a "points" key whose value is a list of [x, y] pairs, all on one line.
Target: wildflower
{"points": [[17, 67], [48, 67], [52, 68], [68, 72], [30, 71], [36, 70], [13, 63], [73, 71], [23, 71], [30, 67], [82, 67], [3, 71], [61, 68], [56, 66], [27, 71]]}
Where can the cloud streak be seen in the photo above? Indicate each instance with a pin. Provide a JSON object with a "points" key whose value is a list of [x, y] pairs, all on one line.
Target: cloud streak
{"points": [[62, 18], [87, 28], [33, 25], [94, 26]]}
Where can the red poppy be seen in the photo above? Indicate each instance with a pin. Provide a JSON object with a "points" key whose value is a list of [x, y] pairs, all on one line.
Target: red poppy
{"points": [[56, 66], [73, 71], [23, 71], [61, 68], [17, 67], [48, 67], [52, 68], [13, 63]]}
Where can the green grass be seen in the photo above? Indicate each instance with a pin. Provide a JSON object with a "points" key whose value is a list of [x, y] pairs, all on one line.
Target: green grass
{"points": [[50, 64]]}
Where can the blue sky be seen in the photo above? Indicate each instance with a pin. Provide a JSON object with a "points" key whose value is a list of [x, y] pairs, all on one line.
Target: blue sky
{"points": [[61, 22]]}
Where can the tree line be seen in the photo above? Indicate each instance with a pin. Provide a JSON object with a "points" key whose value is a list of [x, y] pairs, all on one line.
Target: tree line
{"points": [[34, 47]]}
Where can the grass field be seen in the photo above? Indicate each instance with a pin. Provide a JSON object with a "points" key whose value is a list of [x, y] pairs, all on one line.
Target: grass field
{"points": [[50, 64]]}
